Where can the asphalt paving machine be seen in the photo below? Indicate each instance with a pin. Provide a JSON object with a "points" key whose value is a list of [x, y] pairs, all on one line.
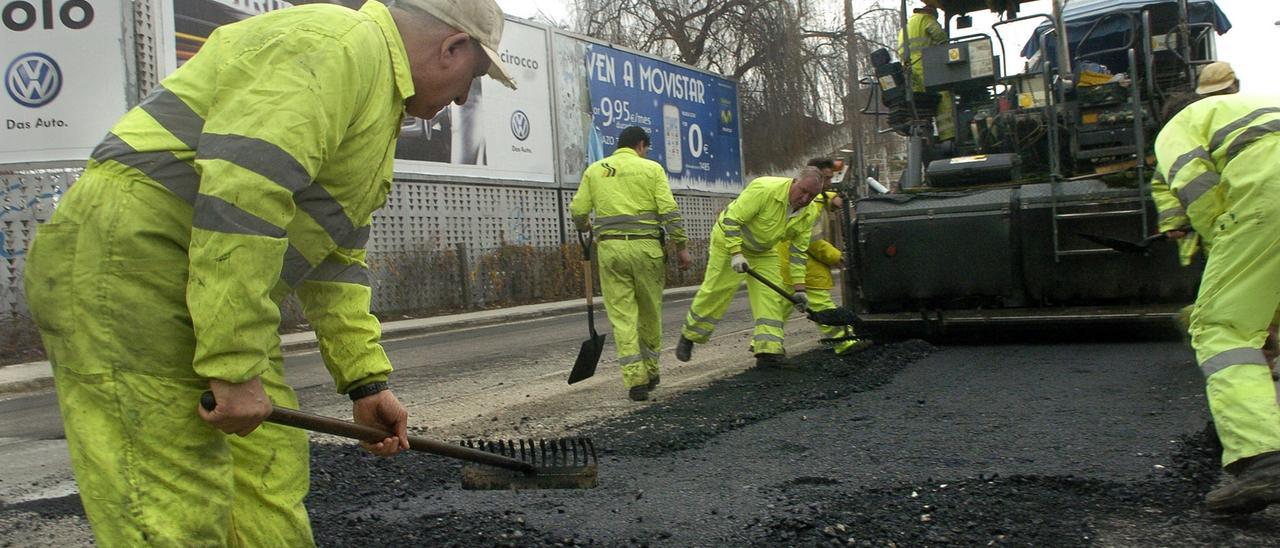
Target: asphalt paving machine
{"points": [[1002, 224]]}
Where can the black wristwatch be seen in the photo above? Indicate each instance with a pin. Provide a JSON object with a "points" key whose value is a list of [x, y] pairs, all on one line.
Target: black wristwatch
{"points": [[367, 390]]}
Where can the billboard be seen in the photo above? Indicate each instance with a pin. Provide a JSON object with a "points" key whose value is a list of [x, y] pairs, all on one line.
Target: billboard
{"points": [[691, 116], [195, 20], [499, 133], [64, 77]]}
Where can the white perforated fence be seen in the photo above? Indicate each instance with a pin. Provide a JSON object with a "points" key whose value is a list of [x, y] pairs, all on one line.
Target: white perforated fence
{"points": [[435, 246]]}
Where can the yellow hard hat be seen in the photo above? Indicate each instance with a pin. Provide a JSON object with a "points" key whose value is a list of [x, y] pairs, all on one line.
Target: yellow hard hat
{"points": [[1215, 77]]}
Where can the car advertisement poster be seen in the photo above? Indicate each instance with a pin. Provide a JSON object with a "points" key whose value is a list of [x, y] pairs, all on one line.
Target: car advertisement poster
{"points": [[195, 20], [498, 133], [691, 116], [64, 79]]}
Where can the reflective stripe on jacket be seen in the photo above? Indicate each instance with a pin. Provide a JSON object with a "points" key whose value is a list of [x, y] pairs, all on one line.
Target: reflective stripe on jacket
{"points": [[757, 220], [280, 155], [820, 256], [630, 195], [1171, 216], [1195, 147]]}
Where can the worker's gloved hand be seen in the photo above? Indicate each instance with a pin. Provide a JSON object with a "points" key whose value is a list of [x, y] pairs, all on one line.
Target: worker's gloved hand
{"points": [[685, 260], [241, 407], [739, 263], [383, 410], [800, 299]]}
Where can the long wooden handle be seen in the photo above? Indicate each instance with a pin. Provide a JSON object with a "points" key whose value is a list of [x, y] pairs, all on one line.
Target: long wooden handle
{"points": [[329, 425], [586, 274], [773, 286]]}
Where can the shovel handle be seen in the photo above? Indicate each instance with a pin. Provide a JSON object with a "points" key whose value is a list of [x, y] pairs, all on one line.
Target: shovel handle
{"points": [[329, 425]]}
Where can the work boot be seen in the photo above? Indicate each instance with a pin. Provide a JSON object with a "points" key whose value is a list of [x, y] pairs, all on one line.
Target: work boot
{"points": [[684, 349], [654, 380], [639, 393], [853, 347], [771, 361], [1257, 486]]}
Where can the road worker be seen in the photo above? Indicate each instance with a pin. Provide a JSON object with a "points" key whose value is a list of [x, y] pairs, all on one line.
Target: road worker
{"points": [[923, 31], [1218, 157], [1172, 218], [250, 173], [633, 209], [768, 211], [819, 259]]}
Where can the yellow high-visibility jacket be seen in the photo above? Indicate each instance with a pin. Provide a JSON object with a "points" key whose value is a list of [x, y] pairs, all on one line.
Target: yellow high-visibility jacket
{"points": [[820, 256], [1196, 146], [923, 30], [760, 217], [630, 195], [279, 156], [1171, 216]]}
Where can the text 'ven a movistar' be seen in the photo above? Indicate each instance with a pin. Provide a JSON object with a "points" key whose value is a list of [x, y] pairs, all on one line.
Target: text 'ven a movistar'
{"points": [[657, 80]]}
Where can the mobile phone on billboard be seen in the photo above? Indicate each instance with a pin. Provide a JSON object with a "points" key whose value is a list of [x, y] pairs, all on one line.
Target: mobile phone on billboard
{"points": [[671, 137]]}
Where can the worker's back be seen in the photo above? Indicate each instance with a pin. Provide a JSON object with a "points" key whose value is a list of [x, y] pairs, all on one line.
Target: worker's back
{"points": [[923, 30], [623, 190]]}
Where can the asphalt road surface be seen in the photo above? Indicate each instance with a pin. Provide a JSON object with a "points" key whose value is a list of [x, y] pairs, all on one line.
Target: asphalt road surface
{"points": [[1086, 441]]}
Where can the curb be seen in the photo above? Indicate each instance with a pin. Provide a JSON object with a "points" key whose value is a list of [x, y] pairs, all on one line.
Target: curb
{"points": [[420, 326], [33, 376]]}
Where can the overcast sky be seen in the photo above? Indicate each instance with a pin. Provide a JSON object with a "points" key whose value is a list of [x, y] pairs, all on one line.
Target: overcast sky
{"points": [[1247, 46]]}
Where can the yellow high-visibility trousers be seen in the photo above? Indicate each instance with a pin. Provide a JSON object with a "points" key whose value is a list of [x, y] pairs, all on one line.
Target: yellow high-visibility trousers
{"points": [[716, 293], [632, 275], [114, 322], [1238, 297]]}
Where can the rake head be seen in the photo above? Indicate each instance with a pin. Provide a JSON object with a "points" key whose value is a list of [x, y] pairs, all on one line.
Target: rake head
{"points": [[567, 463]]}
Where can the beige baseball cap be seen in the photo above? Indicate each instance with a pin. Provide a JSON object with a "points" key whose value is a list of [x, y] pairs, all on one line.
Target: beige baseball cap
{"points": [[1215, 77], [482, 19]]}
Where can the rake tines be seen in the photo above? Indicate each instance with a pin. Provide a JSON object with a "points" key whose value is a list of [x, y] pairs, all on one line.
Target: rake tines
{"points": [[563, 463]]}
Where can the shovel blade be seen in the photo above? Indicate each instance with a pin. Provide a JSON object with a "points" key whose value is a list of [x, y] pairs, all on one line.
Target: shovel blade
{"points": [[835, 316], [1116, 244], [588, 356]]}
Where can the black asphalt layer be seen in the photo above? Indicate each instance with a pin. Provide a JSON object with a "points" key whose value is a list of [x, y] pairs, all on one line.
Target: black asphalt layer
{"points": [[903, 444]]}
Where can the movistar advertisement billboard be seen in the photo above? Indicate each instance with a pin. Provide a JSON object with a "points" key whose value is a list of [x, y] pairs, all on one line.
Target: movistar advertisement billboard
{"points": [[691, 115], [64, 77]]}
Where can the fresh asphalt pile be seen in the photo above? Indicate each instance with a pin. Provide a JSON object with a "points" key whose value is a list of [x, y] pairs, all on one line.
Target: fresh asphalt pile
{"points": [[904, 444], [1091, 444]]}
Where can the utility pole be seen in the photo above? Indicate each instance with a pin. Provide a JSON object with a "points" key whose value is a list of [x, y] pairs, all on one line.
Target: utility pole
{"points": [[854, 173], [856, 167]]}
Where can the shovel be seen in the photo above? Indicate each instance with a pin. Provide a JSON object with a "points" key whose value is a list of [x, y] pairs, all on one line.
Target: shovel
{"points": [[834, 316], [1124, 246], [506, 464], [589, 355]]}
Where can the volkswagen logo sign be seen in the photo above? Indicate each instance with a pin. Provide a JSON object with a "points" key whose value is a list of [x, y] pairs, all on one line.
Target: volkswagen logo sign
{"points": [[33, 79], [520, 125]]}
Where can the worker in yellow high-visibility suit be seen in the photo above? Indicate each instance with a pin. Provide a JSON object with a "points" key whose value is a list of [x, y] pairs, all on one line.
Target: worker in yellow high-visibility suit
{"points": [[768, 211], [1218, 157], [633, 207], [1215, 79], [250, 173], [819, 259], [924, 30]]}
